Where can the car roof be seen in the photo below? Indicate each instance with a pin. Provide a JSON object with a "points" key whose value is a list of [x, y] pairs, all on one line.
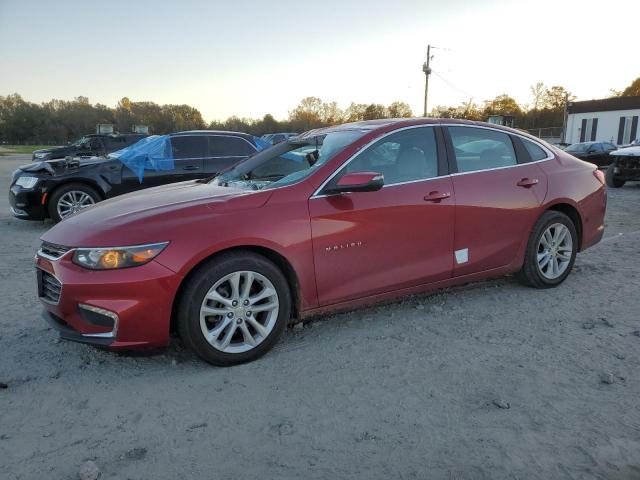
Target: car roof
{"points": [[209, 132], [387, 123]]}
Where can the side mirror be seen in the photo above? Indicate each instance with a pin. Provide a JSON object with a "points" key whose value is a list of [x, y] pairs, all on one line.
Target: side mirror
{"points": [[358, 182]]}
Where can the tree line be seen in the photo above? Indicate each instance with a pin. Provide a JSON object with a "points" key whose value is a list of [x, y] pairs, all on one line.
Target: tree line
{"points": [[545, 110], [60, 121]]}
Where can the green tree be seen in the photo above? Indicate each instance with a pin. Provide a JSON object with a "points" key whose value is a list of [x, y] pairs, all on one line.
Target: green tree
{"points": [[632, 90], [399, 110], [375, 111], [502, 105], [308, 114]]}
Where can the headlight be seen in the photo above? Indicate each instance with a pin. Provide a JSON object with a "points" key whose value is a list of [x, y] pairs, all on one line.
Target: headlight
{"points": [[40, 155], [117, 257], [27, 182]]}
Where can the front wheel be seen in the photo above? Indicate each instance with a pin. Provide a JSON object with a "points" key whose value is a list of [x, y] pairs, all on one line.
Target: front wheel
{"points": [[611, 180], [234, 308], [71, 198], [551, 251]]}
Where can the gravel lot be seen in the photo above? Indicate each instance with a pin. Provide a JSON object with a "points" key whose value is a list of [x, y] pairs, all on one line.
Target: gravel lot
{"points": [[406, 390]]}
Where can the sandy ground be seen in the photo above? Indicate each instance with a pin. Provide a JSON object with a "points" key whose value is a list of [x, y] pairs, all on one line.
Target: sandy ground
{"points": [[404, 391]]}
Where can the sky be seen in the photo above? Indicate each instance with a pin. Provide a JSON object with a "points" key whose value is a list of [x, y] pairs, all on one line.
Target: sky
{"points": [[249, 58]]}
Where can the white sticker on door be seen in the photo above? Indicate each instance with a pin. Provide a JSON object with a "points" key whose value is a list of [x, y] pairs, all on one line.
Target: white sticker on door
{"points": [[462, 256]]}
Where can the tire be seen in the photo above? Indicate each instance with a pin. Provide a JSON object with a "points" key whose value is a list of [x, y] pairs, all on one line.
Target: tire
{"points": [[200, 297], [85, 195], [542, 275], [611, 180]]}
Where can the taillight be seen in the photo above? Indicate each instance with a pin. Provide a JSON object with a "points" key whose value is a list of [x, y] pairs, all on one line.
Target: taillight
{"points": [[599, 175]]}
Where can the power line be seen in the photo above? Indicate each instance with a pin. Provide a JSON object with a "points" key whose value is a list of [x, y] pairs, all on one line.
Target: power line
{"points": [[464, 92]]}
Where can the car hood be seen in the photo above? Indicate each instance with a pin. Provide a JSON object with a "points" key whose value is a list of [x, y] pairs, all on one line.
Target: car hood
{"points": [[57, 166], [627, 152], [151, 215], [57, 152]]}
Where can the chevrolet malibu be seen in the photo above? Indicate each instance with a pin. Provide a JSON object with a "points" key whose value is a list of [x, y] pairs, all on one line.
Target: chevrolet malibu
{"points": [[332, 219]]}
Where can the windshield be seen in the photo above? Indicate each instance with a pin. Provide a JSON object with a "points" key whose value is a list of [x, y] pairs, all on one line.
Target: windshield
{"points": [[289, 161], [578, 147], [82, 141]]}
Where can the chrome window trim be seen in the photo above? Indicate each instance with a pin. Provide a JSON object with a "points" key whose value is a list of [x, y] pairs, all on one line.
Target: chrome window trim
{"points": [[317, 194], [550, 156], [500, 168]]}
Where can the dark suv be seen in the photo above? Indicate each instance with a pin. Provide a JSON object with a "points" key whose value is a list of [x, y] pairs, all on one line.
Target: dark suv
{"points": [[89, 146], [57, 188]]}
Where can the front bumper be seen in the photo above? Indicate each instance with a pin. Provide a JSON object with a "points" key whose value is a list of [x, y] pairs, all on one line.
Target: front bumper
{"points": [[137, 300], [27, 203], [627, 168]]}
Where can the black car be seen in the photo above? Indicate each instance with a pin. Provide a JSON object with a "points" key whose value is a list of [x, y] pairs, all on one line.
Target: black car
{"points": [[57, 188], [625, 167], [89, 146], [593, 152]]}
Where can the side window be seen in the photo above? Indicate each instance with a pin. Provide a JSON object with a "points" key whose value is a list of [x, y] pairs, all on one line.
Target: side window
{"points": [[228, 146], [403, 156], [481, 148], [598, 147], [95, 144], [188, 146], [535, 152]]}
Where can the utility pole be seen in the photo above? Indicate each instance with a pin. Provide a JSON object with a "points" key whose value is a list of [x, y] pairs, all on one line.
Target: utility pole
{"points": [[427, 71], [564, 118]]}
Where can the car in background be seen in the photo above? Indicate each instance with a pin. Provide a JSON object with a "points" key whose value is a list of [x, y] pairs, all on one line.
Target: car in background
{"points": [[93, 145], [333, 219], [57, 188], [275, 138], [593, 152], [625, 167]]}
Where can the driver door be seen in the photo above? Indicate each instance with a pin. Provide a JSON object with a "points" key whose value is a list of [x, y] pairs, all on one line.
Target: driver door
{"points": [[366, 243]]}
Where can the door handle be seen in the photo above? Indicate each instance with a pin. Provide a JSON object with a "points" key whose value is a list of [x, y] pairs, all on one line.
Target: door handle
{"points": [[190, 167], [436, 196], [528, 182]]}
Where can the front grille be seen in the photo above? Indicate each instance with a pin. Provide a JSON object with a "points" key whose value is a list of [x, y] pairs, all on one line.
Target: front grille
{"points": [[628, 163], [49, 287], [52, 251]]}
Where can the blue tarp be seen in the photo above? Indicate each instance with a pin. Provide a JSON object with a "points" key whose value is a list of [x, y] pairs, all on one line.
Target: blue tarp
{"points": [[260, 143], [150, 153]]}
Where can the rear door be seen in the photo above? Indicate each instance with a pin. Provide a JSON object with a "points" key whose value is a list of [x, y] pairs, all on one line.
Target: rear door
{"points": [[498, 195], [224, 151], [188, 152], [366, 243]]}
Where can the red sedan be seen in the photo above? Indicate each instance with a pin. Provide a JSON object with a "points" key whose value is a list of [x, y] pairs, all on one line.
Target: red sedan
{"points": [[331, 219]]}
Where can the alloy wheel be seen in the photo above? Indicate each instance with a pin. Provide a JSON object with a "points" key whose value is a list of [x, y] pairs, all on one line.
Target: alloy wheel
{"points": [[555, 250], [239, 312], [72, 202]]}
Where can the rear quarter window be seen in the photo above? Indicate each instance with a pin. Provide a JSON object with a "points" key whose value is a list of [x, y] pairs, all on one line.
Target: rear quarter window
{"points": [[535, 152], [228, 146]]}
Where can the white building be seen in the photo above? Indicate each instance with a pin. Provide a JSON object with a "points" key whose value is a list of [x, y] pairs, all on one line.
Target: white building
{"points": [[612, 120]]}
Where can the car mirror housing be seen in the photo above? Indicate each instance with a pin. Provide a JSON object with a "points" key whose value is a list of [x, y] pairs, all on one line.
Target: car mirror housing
{"points": [[357, 182]]}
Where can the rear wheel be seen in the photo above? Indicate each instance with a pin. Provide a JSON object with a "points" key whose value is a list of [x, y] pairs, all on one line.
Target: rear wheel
{"points": [[234, 308], [611, 180], [551, 251], [71, 198]]}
